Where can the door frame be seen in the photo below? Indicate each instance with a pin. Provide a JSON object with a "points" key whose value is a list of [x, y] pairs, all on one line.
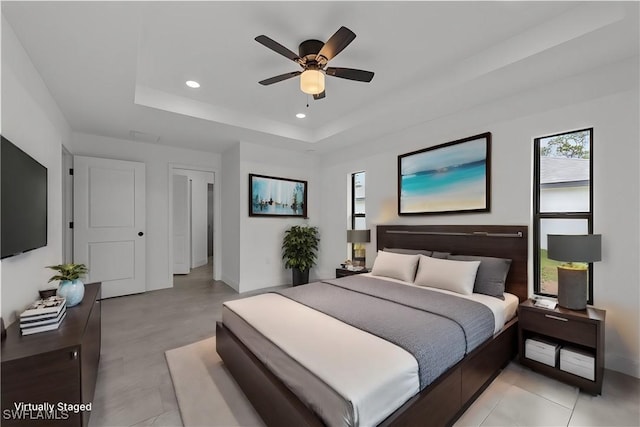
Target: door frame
{"points": [[217, 215], [67, 206]]}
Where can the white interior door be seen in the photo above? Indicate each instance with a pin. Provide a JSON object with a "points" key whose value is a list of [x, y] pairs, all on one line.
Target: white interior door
{"points": [[181, 228], [109, 223]]}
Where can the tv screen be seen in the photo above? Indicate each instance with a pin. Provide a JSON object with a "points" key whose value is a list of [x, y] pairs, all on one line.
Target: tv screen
{"points": [[23, 208]]}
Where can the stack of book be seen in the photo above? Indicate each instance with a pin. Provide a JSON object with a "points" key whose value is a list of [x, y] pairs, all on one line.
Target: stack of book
{"points": [[43, 315]]}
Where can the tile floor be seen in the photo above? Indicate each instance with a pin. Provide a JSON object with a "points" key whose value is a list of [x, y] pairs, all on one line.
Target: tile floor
{"points": [[521, 397], [134, 387]]}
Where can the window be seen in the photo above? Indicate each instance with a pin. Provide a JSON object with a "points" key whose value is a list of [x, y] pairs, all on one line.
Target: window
{"points": [[562, 199], [358, 214]]}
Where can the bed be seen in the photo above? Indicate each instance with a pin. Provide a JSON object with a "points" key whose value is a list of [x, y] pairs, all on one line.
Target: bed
{"points": [[390, 382]]}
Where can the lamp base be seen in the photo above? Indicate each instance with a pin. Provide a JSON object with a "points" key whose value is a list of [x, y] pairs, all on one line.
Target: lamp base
{"points": [[572, 288]]}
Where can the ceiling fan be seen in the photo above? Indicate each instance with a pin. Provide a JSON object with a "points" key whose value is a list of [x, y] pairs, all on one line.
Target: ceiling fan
{"points": [[313, 58]]}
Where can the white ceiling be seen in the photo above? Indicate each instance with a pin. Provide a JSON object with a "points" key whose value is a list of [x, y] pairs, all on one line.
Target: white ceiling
{"points": [[118, 68]]}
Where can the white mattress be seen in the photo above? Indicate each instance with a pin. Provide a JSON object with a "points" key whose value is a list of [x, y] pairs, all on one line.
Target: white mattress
{"points": [[327, 363]]}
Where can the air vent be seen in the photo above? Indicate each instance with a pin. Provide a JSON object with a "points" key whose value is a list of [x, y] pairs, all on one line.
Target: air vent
{"points": [[144, 137]]}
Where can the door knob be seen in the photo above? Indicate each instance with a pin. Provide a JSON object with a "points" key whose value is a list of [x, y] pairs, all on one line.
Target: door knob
{"points": [[140, 233]]}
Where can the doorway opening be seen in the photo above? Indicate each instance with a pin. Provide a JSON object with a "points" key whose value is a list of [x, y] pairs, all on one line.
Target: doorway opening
{"points": [[194, 206]]}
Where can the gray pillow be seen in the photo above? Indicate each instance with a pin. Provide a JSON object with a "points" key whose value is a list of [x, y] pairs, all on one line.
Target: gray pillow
{"points": [[408, 251], [441, 255], [491, 275]]}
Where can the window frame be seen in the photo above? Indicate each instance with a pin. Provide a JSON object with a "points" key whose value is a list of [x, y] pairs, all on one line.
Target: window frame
{"points": [[539, 216], [355, 215]]}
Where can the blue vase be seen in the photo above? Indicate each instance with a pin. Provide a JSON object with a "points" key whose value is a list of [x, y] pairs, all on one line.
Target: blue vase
{"points": [[72, 291]]}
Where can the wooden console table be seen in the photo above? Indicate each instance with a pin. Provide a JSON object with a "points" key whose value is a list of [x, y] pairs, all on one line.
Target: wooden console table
{"points": [[53, 367]]}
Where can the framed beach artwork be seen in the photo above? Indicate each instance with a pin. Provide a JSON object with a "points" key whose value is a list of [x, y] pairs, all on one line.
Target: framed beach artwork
{"points": [[272, 196], [448, 178]]}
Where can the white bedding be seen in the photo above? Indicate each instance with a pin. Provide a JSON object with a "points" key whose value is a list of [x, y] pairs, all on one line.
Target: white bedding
{"points": [[328, 363]]}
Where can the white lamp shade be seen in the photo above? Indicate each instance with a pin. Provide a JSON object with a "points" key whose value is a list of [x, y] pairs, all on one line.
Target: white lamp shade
{"points": [[312, 82]]}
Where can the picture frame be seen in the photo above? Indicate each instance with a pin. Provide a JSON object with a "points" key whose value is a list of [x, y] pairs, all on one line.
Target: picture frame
{"points": [[271, 196], [454, 177]]}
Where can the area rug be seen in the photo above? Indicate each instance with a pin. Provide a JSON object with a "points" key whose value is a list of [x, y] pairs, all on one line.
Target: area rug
{"points": [[207, 394]]}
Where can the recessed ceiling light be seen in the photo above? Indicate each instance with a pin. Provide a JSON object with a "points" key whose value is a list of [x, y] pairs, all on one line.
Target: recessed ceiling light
{"points": [[301, 115], [192, 84]]}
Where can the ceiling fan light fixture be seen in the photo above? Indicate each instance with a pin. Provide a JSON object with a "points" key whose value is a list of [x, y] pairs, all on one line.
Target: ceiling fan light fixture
{"points": [[312, 82]]}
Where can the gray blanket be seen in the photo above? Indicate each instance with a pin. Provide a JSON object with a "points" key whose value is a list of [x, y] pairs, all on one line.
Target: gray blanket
{"points": [[436, 328]]}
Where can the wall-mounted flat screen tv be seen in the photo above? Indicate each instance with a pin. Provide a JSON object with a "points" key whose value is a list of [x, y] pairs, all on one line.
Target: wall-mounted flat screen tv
{"points": [[23, 208]]}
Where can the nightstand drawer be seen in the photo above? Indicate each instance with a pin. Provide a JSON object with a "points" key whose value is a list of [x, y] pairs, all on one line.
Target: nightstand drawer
{"points": [[559, 326]]}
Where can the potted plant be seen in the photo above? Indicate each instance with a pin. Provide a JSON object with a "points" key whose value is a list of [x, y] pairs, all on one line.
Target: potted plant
{"points": [[299, 249], [71, 287]]}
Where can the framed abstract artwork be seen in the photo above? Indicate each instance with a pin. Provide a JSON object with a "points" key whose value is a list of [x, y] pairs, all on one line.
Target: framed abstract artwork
{"points": [[448, 178], [272, 196]]}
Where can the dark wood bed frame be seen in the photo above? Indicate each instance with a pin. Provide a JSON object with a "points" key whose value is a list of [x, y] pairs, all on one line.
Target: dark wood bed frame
{"points": [[442, 402]]}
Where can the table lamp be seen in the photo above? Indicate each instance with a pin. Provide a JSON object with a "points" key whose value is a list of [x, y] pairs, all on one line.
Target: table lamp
{"points": [[360, 236], [573, 278]]}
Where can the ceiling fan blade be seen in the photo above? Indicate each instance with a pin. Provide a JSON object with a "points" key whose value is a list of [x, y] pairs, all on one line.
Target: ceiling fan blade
{"points": [[350, 74], [279, 78], [320, 95], [277, 47], [336, 43]]}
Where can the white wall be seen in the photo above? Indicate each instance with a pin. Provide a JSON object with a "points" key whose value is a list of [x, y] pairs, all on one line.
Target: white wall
{"points": [[32, 121], [199, 198], [230, 188], [157, 159], [252, 255], [261, 262], [606, 99]]}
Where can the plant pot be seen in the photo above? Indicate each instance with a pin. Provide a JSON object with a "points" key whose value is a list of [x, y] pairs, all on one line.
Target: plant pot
{"points": [[72, 291], [300, 277]]}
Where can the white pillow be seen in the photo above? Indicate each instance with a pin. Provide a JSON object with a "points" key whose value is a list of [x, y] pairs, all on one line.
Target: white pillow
{"points": [[395, 266], [455, 276]]}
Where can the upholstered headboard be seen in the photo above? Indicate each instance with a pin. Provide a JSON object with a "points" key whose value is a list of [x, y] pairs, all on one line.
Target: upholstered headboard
{"points": [[501, 241]]}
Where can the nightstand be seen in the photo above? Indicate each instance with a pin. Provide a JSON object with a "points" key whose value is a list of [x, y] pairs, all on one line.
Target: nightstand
{"points": [[342, 272], [578, 334]]}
